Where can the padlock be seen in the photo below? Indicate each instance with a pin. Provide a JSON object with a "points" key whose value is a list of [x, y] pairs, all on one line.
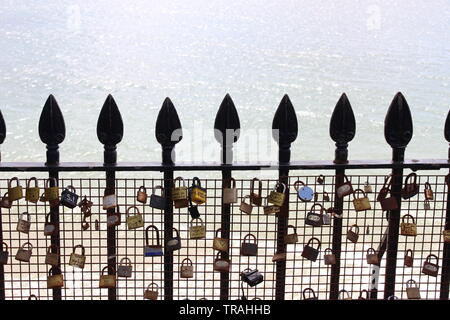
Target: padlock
{"points": [[151, 293], [313, 218], [14, 193], [428, 192], [304, 192], [114, 218], [51, 191], [156, 201], [196, 192], [55, 279], [429, 268], [367, 187], [279, 256], [372, 256], [86, 206], [382, 194], [32, 193], [270, 209], [412, 289], [246, 207], [252, 277], [32, 297], [411, 188], [256, 198], [325, 196], [407, 228], [49, 227], [186, 268], [277, 198], [345, 188], [446, 234], [230, 194], [311, 294], [292, 237], [388, 204], [320, 179], [221, 264], [154, 249], [344, 295], [197, 231], [77, 260], [329, 257], [125, 268], [24, 252], [326, 216], [249, 248], [135, 221], [4, 202], [4, 254], [219, 243], [69, 198], [52, 258], [142, 194], [426, 205], [409, 258], [309, 252], [173, 243], [361, 204], [364, 295], [193, 210], [24, 223], [107, 280], [353, 236], [180, 194], [109, 199]]}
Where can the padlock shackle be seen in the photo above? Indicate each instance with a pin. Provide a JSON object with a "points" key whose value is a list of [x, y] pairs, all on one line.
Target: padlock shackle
{"points": [[371, 251], [47, 217], [250, 235], [4, 244], [179, 179], [314, 239], [35, 182], [232, 182], [154, 228], [28, 244], [28, 216], [196, 182], [297, 183], [111, 270], [356, 228], [51, 247], [409, 251], [317, 204], [344, 291], [310, 291], [216, 234], [278, 185], [54, 268], [72, 188], [428, 258], [361, 294], [410, 283], [293, 227], [427, 185], [192, 220], [83, 250], [54, 184], [136, 210], [158, 187], [414, 176], [387, 182], [128, 261], [176, 232], [409, 217], [151, 285], [328, 250], [33, 296], [188, 262], [252, 186], [355, 192], [11, 180]]}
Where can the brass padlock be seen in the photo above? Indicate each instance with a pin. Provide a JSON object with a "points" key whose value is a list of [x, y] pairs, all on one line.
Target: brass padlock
{"points": [[428, 192], [256, 198], [292, 237], [135, 221], [32, 193], [311, 294], [315, 219], [412, 289], [52, 258], [197, 231], [230, 194], [411, 188], [196, 192], [446, 234], [361, 204], [186, 268], [4, 254], [49, 227], [309, 252], [221, 264], [151, 293], [156, 201], [344, 295], [180, 194], [345, 188], [142, 195], [109, 199], [14, 193], [219, 243], [24, 252], [4, 202], [277, 198], [304, 192], [407, 228], [77, 260], [372, 256], [249, 248], [409, 258], [24, 224], [353, 235], [51, 191], [270, 209], [55, 279], [329, 257], [173, 243], [429, 268], [367, 187], [125, 268], [279, 256], [107, 280], [114, 218], [246, 207], [154, 249]]}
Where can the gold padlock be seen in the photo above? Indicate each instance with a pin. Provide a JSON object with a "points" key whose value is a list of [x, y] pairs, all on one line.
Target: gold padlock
{"points": [[51, 190], [108, 280], [230, 194], [220, 244], [135, 221], [14, 193], [198, 194], [55, 280], [277, 198], [197, 231], [361, 204], [407, 228], [52, 258], [142, 195], [77, 260], [186, 268], [270, 209], [24, 225], [428, 192], [24, 252], [180, 194], [246, 207], [32, 193], [151, 293]]}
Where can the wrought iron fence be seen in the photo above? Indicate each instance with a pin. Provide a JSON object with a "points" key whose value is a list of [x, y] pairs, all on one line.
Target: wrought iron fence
{"points": [[287, 278]]}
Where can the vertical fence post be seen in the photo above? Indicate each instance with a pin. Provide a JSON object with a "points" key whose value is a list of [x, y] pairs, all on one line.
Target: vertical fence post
{"points": [[110, 133], [342, 131], [445, 277], [52, 132], [284, 132], [398, 131], [226, 131], [2, 270], [168, 132]]}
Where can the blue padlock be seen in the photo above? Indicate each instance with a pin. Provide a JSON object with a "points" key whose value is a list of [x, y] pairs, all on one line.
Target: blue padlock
{"points": [[304, 192]]}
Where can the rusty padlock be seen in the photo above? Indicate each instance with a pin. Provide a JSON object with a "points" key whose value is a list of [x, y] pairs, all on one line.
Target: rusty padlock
{"points": [[277, 198], [313, 218], [197, 231], [345, 188], [24, 223], [32, 193], [107, 280], [408, 228], [219, 243], [196, 192], [428, 192], [125, 268], [362, 203], [309, 252], [409, 258], [135, 221], [151, 293], [246, 207], [4, 202], [180, 194], [372, 256], [14, 193], [114, 218], [311, 294], [186, 268], [52, 258], [173, 243], [353, 236], [49, 227], [78, 260], [152, 250], [256, 198], [109, 199], [221, 264], [230, 194], [24, 252], [412, 289], [429, 268], [4, 254], [55, 279], [291, 238], [329, 258], [249, 248], [411, 188], [142, 194]]}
